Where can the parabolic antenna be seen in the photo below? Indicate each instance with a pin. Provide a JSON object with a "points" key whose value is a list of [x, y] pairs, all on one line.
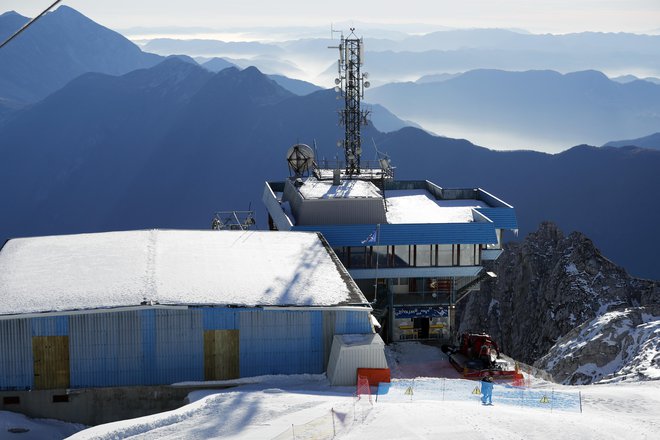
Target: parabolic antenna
{"points": [[300, 158]]}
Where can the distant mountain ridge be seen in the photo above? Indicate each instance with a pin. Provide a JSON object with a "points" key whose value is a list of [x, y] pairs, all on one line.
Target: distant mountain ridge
{"points": [[167, 146], [60, 46], [650, 141], [554, 108]]}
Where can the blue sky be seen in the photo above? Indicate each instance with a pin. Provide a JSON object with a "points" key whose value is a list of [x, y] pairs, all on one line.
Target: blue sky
{"points": [[556, 16]]}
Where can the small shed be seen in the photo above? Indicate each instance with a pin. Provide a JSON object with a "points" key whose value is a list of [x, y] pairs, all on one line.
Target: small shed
{"points": [[352, 351]]}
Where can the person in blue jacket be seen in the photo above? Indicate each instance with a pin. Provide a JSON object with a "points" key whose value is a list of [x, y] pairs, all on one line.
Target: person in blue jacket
{"points": [[487, 390]]}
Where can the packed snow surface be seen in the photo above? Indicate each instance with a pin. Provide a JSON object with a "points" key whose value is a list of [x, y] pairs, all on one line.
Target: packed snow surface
{"points": [[118, 269], [417, 206], [19, 427], [316, 189], [286, 407]]}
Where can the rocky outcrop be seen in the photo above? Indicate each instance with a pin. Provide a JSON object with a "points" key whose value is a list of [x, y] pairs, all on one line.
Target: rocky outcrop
{"points": [[548, 286], [618, 345]]}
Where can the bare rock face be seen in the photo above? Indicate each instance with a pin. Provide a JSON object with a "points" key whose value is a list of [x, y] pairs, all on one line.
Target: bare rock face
{"points": [[547, 286]]}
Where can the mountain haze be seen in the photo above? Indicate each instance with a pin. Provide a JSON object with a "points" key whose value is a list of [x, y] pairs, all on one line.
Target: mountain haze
{"points": [[541, 107]]}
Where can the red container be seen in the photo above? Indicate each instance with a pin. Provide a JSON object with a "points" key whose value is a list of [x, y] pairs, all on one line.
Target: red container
{"points": [[375, 375]]}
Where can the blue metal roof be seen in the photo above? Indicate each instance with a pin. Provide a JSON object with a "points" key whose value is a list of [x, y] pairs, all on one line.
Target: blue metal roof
{"points": [[503, 218], [400, 234]]}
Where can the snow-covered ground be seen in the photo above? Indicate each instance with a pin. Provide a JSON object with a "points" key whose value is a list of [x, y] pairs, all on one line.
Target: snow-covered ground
{"points": [[19, 427], [440, 406]]}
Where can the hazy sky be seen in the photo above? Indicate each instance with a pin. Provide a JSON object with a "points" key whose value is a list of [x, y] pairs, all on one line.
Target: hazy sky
{"points": [[557, 16]]}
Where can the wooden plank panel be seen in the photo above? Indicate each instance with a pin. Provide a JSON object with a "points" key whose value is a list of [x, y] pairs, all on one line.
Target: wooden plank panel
{"points": [[51, 362], [221, 354]]}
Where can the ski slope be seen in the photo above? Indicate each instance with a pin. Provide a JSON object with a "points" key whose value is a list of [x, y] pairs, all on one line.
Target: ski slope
{"points": [[440, 407]]}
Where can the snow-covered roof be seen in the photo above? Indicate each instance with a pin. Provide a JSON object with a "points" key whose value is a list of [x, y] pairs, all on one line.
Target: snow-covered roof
{"points": [[119, 269], [418, 206], [324, 189]]}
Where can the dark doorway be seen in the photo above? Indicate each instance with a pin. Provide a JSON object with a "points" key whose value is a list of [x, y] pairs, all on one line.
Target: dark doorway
{"points": [[422, 326]]}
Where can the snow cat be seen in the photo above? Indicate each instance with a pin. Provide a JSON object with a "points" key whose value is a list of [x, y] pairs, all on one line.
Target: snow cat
{"points": [[477, 356]]}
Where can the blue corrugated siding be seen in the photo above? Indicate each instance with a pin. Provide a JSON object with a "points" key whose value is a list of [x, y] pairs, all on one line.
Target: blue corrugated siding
{"points": [[179, 354], [219, 319], [156, 346], [148, 337], [50, 326], [106, 349], [446, 233], [502, 218], [146, 347], [350, 322], [16, 366], [280, 342]]}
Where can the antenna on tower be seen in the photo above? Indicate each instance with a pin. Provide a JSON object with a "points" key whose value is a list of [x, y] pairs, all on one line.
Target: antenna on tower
{"points": [[351, 83]]}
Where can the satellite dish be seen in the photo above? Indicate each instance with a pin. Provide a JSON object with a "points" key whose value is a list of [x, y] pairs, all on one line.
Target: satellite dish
{"points": [[300, 158], [367, 84], [337, 81]]}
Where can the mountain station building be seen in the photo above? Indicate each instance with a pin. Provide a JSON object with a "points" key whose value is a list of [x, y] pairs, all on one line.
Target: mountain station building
{"points": [[414, 248]]}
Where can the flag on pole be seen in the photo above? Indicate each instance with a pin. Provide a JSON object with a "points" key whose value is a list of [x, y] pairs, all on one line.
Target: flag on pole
{"points": [[372, 238]]}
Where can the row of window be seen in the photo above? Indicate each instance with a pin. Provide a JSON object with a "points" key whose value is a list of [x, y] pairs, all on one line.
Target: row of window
{"points": [[426, 255]]}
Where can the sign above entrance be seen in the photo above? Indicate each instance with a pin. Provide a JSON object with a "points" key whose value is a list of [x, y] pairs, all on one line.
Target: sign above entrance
{"points": [[421, 312]]}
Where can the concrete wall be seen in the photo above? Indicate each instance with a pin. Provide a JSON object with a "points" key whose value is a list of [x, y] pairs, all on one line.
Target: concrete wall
{"points": [[94, 406]]}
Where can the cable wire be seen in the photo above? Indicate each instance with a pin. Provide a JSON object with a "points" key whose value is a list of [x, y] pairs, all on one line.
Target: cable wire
{"points": [[28, 24]]}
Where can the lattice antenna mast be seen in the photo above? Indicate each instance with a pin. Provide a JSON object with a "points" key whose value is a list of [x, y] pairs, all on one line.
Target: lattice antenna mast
{"points": [[351, 82]]}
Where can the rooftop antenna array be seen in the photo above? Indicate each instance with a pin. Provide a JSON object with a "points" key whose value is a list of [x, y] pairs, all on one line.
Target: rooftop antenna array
{"points": [[351, 83]]}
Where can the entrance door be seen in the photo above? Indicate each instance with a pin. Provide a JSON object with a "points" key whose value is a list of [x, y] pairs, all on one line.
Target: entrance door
{"points": [[221, 360], [50, 355], [422, 326]]}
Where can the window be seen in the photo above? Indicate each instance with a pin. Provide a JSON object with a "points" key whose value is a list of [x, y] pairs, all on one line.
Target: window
{"points": [[380, 253], [401, 256], [358, 257], [467, 252], [444, 255], [424, 253]]}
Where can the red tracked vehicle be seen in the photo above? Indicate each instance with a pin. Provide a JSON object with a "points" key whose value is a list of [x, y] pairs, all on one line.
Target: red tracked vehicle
{"points": [[477, 356]]}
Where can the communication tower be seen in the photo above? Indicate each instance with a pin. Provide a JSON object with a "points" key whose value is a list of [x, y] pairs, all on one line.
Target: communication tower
{"points": [[351, 83]]}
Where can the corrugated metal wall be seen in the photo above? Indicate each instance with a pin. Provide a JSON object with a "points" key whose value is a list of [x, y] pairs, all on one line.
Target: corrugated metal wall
{"points": [[16, 366], [280, 342], [162, 346], [50, 326], [351, 322], [106, 349]]}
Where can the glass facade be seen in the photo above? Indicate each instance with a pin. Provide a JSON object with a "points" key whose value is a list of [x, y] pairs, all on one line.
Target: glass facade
{"points": [[427, 255]]}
